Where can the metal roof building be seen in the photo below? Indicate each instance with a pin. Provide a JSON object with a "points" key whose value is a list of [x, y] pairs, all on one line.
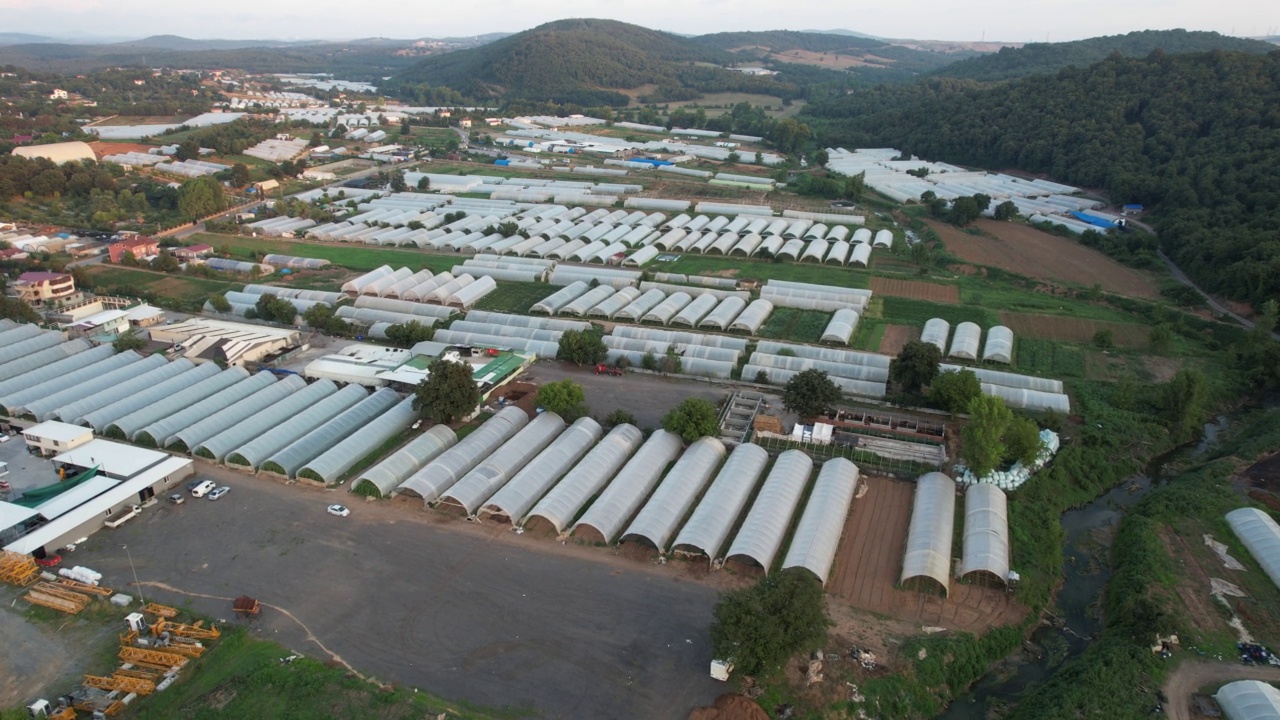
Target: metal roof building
{"points": [[515, 498], [157, 434], [620, 500], [1261, 535], [326, 438], [766, 525], [561, 505], [363, 429], [663, 513], [278, 436], [161, 408], [928, 551], [486, 478], [437, 476], [113, 459], [986, 532], [1249, 700], [817, 537], [712, 521], [381, 479]]}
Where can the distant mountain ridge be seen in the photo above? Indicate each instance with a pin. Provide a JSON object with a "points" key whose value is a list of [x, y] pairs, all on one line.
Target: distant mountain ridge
{"points": [[1037, 58], [12, 38]]}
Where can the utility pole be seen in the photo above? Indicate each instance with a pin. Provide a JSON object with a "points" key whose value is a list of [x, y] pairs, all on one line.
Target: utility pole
{"points": [[135, 574]]}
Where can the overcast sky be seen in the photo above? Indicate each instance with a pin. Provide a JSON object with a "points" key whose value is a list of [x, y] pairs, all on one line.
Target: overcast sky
{"points": [[1024, 21]]}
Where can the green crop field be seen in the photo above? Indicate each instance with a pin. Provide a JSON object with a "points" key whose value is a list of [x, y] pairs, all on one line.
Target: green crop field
{"points": [[904, 311], [796, 325], [740, 268], [351, 256], [188, 292], [515, 297], [1046, 357], [867, 336]]}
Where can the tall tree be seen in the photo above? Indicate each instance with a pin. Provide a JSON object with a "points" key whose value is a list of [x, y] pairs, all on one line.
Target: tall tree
{"points": [[916, 366], [983, 435], [448, 393], [954, 391], [759, 627], [691, 419], [565, 398], [811, 393]]}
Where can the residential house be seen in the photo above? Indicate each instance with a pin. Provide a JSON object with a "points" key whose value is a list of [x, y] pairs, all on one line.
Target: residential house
{"points": [[38, 287], [192, 252], [139, 245]]}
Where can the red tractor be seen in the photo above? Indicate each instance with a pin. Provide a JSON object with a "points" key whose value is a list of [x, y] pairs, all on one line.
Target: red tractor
{"points": [[603, 369]]}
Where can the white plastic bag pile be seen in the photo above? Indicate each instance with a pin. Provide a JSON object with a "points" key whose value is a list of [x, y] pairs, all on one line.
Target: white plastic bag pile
{"points": [[1013, 478]]}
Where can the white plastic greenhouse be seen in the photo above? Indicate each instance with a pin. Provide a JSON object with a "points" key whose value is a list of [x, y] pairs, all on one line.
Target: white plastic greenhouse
{"points": [[1249, 700], [46, 406], [217, 447], [561, 505], [724, 314], [860, 255], [620, 500], [839, 252], [936, 332], [86, 366], [40, 364], [308, 448], [496, 318], [761, 534], [190, 437], [75, 411], [965, 341], [928, 551], [1029, 399], [161, 408], [610, 307], [753, 318], [437, 476], [482, 481], [836, 369], [105, 416], [999, 347], [256, 451], [817, 537], [533, 480], [1008, 379], [360, 435], [850, 357], [841, 326], [588, 300], [1261, 535], [661, 516], [712, 521], [383, 478], [667, 309], [694, 312], [986, 533]]}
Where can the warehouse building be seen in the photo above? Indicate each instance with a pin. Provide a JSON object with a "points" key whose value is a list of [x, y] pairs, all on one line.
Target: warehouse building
{"points": [[232, 343]]}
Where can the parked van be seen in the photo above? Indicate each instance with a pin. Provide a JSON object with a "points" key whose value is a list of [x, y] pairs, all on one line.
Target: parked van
{"points": [[203, 488]]}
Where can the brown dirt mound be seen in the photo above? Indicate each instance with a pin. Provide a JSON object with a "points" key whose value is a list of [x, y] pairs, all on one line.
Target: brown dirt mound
{"points": [[730, 707]]}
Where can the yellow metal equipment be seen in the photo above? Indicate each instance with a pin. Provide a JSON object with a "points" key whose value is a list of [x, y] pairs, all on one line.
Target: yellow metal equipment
{"points": [[66, 713], [163, 611], [142, 673], [67, 602], [122, 683], [16, 569], [80, 587], [152, 658], [195, 632], [190, 649]]}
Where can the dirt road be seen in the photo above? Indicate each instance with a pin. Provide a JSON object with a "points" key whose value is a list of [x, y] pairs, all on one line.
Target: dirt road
{"points": [[1195, 674]]}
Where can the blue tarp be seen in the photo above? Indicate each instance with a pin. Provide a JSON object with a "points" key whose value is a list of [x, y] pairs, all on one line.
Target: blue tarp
{"points": [[1093, 220], [502, 161]]}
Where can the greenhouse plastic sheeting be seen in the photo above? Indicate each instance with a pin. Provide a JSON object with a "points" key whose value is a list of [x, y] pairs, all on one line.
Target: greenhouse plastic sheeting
{"points": [[300, 402], [589, 300], [839, 252], [532, 482], [935, 333], [404, 306], [860, 255], [552, 303], [986, 532], [680, 336], [158, 407], [195, 434], [256, 451], [965, 341], [181, 418], [437, 476], [74, 412], [43, 359], [660, 517], [762, 532], [472, 293], [1029, 399], [999, 347], [396, 468], [482, 481], [724, 314], [14, 333], [712, 521], [541, 348], [1008, 379], [363, 436], [324, 438], [479, 328], [356, 285], [1249, 700], [101, 418], [37, 342], [619, 501], [781, 376], [668, 308], [494, 318], [841, 326], [753, 318], [641, 305], [1261, 535], [70, 372], [928, 552], [869, 373], [817, 537], [559, 506], [692, 313], [46, 406]]}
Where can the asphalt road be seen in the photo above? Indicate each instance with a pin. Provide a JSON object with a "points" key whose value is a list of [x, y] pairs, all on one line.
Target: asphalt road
{"points": [[472, 613], [1217, 307]]}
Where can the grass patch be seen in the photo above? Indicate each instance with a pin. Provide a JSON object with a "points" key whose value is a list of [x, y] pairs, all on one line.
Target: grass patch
{"points": [[905, 311], [751, 269], [796, 325], [243, 678], [868, 336], [369, 459], [515, 297], [175, 291], [1045, 357], [470, 427], [352, 257]]}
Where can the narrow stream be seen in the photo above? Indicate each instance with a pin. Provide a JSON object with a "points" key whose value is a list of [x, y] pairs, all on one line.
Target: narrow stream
{"points": [[1088, 536]]}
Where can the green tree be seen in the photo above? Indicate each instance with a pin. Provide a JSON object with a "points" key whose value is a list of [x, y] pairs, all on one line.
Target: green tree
{"points": [[916, 366], [856, 186], [129, 340], [759, 627], [448, 393], [188, 149], [408, 334], [811, 393], [1006, 210], [200, 197], [220, 303], [964, 210], [565, 398], [276, 309], [398, 183], [1104, 338], [424, 183], [165, 262], [318, 315], [691, 419], [128, 259], [954, 391], [670, 363], [821, 158], [618, 417], [1160, 339], [240, 175], [762, 377], [983, 446], [1183, 403], [583, 347], [1022, 441]]}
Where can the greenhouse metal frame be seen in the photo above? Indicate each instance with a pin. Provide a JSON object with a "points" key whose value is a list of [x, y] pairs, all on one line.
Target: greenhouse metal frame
{"points": [[986, 533], [712, 521], [322, 439], [690, 315], [928, 551], [160, 431], [724, 315], [551, 304], [620, 500], [588, 300], [660, 517], [753, 317], [817, 536]]}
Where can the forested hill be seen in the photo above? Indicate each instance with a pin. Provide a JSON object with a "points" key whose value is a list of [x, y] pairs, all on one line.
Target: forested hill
{"points": [[1038, 58], [589, 62], [1196, 136]]}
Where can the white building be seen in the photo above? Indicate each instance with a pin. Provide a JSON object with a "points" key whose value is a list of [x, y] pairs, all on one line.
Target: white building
{"points": [[53, 437]]}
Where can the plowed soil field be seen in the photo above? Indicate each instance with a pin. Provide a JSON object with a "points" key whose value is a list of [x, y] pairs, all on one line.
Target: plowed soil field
{"points": [[915, 289], [870, 559], [1070, 329], [896, 337], [1027, 251]]}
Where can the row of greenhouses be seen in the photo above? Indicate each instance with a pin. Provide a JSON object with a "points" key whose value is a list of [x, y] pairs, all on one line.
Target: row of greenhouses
{"points": [[966, 340], [986, 548]]}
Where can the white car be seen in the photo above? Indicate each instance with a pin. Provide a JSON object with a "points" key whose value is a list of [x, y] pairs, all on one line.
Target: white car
{"points": [[339, 510]]}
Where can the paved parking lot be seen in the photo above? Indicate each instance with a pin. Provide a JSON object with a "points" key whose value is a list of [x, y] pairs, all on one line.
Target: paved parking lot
{"points": [[26, 471], [468, 612]]}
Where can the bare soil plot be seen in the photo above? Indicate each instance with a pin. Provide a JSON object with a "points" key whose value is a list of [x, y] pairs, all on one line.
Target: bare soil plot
{"points": [[102, 149], [1027, 251], [915, 289], [896, 337], [1072, 329], [870, 559]]}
